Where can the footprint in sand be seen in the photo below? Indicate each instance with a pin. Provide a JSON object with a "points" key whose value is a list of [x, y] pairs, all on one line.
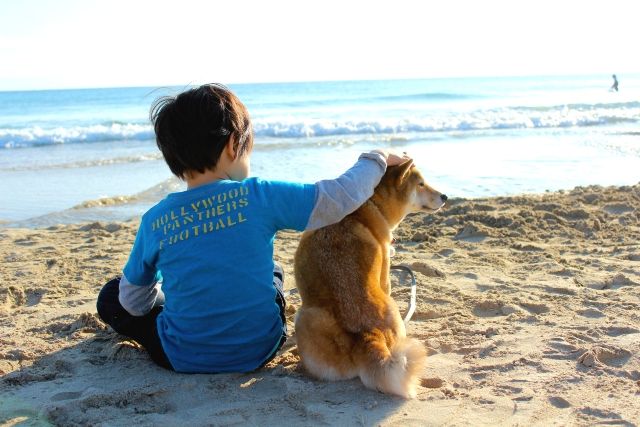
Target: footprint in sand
{"points": [[605, 355], [619, 281], [559, 402], [490, 308], [509, 309], [560, 349], [617, 208], [487, 308], [592, 313], [427, 270], [473, 232], [591, 198], [616, 331], [535, 308], [446, 252], [434, 382], [24, 242]]}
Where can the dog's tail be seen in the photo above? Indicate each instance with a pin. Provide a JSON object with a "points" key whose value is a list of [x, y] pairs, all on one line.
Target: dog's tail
{"points": [[394, 370]]}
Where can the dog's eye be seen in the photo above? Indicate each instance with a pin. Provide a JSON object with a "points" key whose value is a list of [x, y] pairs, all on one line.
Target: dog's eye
{"points": [[421, 184]]}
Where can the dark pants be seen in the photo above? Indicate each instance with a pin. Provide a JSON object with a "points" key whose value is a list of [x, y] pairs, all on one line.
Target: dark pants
{"points": [[144, 330]]}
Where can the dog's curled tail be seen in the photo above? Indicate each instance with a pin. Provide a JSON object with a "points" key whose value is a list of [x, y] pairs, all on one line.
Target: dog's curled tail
{"points": [[398, 372]]}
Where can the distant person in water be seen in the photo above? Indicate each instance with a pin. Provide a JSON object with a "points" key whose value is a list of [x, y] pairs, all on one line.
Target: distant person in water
{"points": [[614, 86]]}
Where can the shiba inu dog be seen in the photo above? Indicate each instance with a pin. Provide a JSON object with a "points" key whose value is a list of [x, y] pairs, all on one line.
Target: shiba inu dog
{"points": [[348, 324]]}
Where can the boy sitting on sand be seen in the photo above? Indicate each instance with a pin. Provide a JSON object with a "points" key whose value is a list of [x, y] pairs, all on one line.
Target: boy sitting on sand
{"points": [[200, 290]]}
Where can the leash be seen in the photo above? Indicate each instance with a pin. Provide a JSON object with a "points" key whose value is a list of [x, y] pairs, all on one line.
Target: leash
{"points": [[412, 303]]}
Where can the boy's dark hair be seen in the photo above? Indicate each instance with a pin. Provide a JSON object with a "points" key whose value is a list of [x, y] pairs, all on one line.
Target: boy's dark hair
{"points": [[193, 128]]}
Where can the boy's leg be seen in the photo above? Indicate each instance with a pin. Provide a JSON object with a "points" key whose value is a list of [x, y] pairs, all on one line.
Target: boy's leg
{"points": [[142, 329], [278, 283]]}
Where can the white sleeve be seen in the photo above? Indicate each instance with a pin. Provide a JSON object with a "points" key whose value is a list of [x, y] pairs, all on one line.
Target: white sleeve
{"points": [[137, 300], [337, 198]]}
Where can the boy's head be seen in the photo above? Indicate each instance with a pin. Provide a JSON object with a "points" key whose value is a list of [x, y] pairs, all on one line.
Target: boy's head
{"points": [[193, 128]]}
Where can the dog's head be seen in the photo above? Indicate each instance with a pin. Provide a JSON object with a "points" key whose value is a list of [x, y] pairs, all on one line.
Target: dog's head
{"points": [[405, 188]]}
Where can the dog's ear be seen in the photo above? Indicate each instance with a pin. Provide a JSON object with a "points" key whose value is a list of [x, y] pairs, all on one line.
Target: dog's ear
{"points": [[404, 170]]}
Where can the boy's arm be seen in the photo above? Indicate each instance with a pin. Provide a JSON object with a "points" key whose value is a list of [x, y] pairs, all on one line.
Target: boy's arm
{"points": [[138, 300], [337, 198]]}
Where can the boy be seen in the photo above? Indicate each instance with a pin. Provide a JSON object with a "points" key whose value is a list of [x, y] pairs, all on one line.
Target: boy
{"points": [[220, 307]]}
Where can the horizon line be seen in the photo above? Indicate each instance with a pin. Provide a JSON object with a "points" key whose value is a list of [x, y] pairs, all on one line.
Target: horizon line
{"points": [[455, 77]]}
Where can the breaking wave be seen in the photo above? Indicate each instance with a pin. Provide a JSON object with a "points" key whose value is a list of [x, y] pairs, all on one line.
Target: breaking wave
{"points": [[561, 116]]}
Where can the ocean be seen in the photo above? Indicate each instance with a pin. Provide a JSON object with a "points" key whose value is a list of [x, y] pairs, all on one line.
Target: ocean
{"points": [[68, 156]]}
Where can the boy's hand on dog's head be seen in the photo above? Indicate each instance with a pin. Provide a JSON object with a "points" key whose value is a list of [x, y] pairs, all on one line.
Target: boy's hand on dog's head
{"points": [[393, 157]]}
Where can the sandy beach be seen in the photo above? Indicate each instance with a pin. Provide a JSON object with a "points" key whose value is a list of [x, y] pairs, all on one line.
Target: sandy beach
{"points": [[529, 307]]}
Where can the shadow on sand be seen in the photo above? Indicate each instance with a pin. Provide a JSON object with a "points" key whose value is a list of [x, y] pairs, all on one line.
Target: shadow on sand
{"points": [[104, 379]]}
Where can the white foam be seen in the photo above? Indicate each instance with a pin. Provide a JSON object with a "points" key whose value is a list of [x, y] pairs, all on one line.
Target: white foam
{"points": [[377, 122], [508, 118], [36, 135]]}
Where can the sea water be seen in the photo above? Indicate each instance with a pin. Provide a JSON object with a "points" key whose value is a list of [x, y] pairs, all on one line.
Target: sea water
{"points": [[81, 155]]}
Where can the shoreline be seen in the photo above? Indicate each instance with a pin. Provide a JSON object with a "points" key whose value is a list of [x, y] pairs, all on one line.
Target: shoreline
{"points": [[133, 203], [117, 190], [528, 305]]}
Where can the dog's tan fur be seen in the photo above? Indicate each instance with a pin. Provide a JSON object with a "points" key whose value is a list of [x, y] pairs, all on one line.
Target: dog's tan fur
{"points": [[348, 325]]}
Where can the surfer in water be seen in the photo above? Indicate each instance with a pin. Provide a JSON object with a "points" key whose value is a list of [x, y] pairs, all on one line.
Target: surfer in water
{"points": [[614, 86]]}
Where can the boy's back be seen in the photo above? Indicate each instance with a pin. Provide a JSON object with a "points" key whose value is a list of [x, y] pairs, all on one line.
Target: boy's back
{"points": [[213, 245]]}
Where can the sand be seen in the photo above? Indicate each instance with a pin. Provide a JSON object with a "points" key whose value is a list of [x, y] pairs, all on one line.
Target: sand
{"points": [[529, 307]]}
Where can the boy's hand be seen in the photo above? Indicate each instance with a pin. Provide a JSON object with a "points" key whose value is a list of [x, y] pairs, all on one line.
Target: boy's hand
{"points": [[392, 157]]}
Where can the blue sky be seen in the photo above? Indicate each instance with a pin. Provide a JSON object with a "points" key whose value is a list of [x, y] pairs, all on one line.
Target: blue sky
{"points": [[90, 43]]}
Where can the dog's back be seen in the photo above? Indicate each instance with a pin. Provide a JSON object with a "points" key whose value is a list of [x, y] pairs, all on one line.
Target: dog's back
{"points": [[348, 324]]}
